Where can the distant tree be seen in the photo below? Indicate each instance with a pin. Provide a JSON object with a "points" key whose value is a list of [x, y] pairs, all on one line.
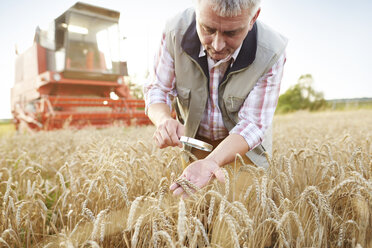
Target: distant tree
{"points": [[301, 96]]}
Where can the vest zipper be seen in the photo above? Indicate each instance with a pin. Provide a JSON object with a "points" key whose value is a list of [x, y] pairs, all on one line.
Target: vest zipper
{"points": [[205, 77], [199, 67]]}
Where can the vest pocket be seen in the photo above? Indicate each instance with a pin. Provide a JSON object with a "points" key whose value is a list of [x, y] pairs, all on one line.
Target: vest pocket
{"points": [[183, 96], [233, 103], [182, 104]]}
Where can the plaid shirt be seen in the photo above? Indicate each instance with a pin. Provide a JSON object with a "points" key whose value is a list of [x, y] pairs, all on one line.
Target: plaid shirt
{"points": [[255, 115]]}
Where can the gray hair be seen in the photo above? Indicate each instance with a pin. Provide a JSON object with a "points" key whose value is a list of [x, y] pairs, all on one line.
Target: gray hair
{"points": [[233, 7]]}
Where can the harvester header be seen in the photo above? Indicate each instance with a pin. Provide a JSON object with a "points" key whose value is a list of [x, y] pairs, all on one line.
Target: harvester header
{"points": [[73, 75]]}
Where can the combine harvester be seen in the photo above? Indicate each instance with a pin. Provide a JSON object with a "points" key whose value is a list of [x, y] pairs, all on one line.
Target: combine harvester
{"points": [[72, 75]]}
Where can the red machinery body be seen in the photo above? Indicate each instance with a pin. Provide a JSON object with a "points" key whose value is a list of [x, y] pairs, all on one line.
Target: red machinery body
{"points": [[72, 75]]}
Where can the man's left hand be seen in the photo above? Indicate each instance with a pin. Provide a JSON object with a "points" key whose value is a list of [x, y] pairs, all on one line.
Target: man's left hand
{"points": [[199, 173]]}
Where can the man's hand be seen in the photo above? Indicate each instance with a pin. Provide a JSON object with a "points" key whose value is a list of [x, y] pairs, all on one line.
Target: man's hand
{"points": [[199, 173], [168, 130], [168, 133]]}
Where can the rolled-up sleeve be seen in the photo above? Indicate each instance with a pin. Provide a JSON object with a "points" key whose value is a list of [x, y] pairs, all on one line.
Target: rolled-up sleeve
{"points": [[162, 80], [256, 114]]}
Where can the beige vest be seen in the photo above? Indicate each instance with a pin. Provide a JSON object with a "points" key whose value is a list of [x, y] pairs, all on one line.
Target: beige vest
{"points": [[260, 51]]}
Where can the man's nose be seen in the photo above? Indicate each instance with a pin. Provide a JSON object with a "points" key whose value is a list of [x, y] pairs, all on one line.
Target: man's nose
{"points": [[218, 42]]}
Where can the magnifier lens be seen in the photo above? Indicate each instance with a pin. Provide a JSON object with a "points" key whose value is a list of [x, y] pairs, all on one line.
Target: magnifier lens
{"points": [[198, 144]]}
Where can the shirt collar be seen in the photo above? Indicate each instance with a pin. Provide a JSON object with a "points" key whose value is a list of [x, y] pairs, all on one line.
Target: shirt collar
{"points": [[232, 56]]}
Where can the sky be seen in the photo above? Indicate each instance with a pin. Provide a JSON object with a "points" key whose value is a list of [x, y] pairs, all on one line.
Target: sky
{"points": [[331, 40]]}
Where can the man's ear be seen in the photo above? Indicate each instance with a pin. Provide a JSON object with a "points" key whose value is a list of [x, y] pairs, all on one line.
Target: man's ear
{"points": [[254, 18]]}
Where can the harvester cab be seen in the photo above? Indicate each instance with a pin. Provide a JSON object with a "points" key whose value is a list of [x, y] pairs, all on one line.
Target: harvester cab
{"points": [[72, 75]]}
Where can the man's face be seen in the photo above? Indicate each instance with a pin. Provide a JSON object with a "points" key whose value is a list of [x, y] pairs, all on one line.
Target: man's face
{"points": [[221, 36]]}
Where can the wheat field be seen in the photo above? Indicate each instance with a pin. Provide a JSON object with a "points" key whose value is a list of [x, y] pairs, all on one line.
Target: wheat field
{"points": [[110, 188]]}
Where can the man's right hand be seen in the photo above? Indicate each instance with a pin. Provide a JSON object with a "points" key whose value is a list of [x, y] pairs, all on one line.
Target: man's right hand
{"points": [[168, 130], [168, 133]]}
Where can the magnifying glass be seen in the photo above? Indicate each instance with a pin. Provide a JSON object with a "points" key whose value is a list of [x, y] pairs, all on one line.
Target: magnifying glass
{"points": [[198, 144]]}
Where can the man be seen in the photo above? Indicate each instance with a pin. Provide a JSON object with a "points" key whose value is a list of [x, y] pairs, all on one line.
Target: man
{"points": [[224, 70]]}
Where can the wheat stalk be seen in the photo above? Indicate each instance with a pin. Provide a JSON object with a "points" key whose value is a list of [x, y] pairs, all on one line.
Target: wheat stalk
{"points": [[154, 230], [186, 152], [202, 230], [136, 231], [234, 235], [286, 183], [273, 207], [11, 233], [247, 193], [92, 243], [294, 216], [257, 187], [4, 242], [18, 215], [108, 194], [162, 190], [289, 169], [322, 201], [221, 210], [181, 224], [243, 214], [167, 238], [227, 182], [187, 186], [89, 213], [7, 192], [97, 222], [11, 204], [132, 211], [263, 191], [210, 210], [62, 180], [315, 211], [124, 192]]}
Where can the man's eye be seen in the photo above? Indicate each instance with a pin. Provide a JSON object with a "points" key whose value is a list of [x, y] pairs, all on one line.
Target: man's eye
{"points": [[209, 30], [230, 33]]}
